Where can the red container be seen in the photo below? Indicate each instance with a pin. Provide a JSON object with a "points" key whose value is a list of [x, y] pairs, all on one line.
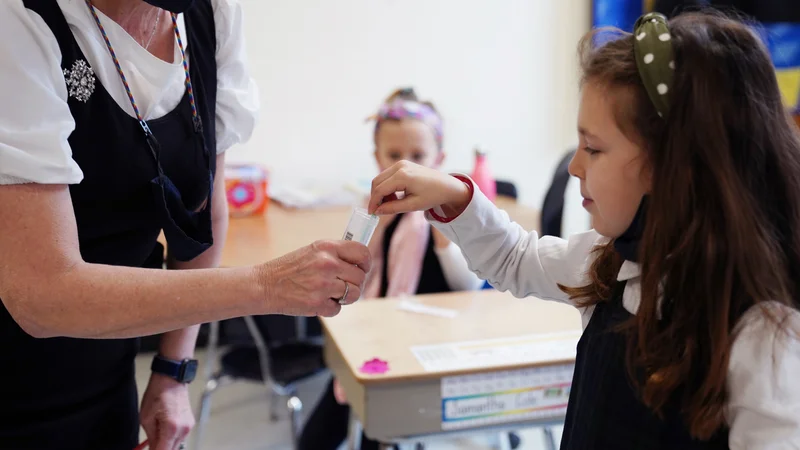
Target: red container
{"points": [[246, 189]]}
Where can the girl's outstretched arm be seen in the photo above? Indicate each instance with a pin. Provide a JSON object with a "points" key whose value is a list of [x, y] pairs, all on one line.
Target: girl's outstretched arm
{"points": [[496, 249]]}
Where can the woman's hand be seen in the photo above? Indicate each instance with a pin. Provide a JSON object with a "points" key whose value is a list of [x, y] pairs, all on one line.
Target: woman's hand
{"points": [[311, 281], [166, 413], [423, 188]]}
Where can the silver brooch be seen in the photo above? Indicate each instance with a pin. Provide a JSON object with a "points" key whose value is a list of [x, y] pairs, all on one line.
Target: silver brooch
{"points": [[80, 81]]}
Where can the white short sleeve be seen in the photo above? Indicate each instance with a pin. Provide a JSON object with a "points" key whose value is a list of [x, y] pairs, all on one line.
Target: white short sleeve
{"points": [[764, 402], [237, 94], [35, 121]]}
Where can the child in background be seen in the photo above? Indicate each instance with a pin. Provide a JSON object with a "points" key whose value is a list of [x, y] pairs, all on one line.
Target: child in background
{"points": [[690, 167], [409, 256]]}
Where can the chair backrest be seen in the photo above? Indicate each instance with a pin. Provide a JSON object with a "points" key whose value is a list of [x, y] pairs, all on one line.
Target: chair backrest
{"points": [[506, 189], [553, 207]]}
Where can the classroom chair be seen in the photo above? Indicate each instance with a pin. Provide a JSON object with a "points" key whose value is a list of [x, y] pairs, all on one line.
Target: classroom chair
{"points": [[280, 366], [553, 207], [506, 189]]}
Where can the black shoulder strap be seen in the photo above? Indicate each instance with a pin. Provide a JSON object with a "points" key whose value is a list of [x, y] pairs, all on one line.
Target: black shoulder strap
{"points": [[52, 15]]}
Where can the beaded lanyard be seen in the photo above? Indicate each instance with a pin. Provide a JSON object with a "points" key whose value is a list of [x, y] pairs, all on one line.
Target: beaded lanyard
{"points": [[198, 124]]}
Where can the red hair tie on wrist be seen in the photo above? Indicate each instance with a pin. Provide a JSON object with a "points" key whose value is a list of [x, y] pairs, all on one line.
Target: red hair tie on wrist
{"points": [[471, 188]]}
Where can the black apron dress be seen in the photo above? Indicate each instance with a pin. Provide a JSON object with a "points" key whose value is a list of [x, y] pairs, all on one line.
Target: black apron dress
{"points": [[63, 393], [605, 411]]}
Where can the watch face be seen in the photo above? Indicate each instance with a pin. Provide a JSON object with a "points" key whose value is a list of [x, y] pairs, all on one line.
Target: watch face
{"points": [[189, 370]]}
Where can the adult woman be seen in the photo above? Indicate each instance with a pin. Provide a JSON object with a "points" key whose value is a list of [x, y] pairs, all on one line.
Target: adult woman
{"points": [[109, 136]]}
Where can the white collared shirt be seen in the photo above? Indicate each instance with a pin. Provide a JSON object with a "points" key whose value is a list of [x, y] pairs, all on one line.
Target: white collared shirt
{"points": [[35, 121], [763, 410]]}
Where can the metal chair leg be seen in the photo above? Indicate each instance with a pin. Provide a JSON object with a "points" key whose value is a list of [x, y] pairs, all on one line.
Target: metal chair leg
{"points": [[263, 362], [295, 409], [301, 328], [211, 349], [261, 348], [354, 433], [504, 439], [212, 385], [550, 439]]}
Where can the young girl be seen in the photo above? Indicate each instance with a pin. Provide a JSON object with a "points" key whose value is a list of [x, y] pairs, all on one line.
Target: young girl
{"points": [[409, 256], [690, 168]]}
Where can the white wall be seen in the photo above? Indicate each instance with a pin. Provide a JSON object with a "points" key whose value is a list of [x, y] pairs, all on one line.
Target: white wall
{"points": [[502, 72]]}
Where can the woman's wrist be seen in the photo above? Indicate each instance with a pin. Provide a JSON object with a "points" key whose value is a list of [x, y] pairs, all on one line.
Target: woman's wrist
{"points": [[262, 279]]}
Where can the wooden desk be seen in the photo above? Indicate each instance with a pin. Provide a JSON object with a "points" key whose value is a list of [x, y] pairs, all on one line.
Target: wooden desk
{"points": [[409, 401], [254, 240]]}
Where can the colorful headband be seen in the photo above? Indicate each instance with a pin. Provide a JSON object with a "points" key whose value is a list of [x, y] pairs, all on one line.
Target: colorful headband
{"points": [[654, 58], [407, 109]]}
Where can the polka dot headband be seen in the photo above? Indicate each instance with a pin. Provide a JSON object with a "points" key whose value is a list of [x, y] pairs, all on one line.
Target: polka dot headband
{"points": [[654, 57], [407, 109]]}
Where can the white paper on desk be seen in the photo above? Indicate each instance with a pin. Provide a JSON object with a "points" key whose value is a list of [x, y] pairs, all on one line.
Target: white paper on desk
{"points": [[536, 393], [526, 349], [407, 305], [296, 194]]}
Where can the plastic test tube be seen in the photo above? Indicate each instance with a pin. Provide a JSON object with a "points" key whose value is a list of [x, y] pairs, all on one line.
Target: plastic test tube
{"points": [[361, 226]]}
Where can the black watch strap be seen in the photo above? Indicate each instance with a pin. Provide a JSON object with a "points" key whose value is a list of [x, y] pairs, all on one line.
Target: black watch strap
{"points": [[181, 371]]}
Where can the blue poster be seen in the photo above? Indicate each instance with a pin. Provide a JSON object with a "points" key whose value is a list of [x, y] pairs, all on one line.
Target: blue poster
{"points": [[782, 40]]}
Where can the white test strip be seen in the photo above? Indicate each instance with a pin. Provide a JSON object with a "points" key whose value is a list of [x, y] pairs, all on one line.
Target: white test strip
{"points": [[361, 226], [419, 308]]}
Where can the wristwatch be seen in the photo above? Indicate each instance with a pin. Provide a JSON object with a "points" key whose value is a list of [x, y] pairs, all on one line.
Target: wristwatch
{"points": [[181, 371]]}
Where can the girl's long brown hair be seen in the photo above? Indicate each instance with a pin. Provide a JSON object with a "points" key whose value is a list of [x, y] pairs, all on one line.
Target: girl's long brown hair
{"points": [[722, 230]]}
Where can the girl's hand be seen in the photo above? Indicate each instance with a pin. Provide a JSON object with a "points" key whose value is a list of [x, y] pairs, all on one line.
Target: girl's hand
{"points": [[423, 188], [338, 392]]}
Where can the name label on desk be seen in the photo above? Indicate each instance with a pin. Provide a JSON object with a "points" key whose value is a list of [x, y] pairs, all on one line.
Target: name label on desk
{"points": [[539, 393]]}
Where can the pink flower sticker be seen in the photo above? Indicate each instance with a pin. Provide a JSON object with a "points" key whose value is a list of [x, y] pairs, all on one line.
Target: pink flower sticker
{"points": [[375, 366]]}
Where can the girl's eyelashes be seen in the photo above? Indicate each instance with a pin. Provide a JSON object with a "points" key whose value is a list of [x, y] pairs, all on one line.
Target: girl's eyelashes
{"points": [[590, 151], [416, 157]]}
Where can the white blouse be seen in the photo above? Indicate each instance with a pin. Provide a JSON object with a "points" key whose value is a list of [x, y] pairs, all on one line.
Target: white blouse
{"points": [[763, 409], [35, 121]]}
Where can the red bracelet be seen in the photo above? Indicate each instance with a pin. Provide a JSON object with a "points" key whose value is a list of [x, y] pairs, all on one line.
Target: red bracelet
{"points": [[471, 188]]}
